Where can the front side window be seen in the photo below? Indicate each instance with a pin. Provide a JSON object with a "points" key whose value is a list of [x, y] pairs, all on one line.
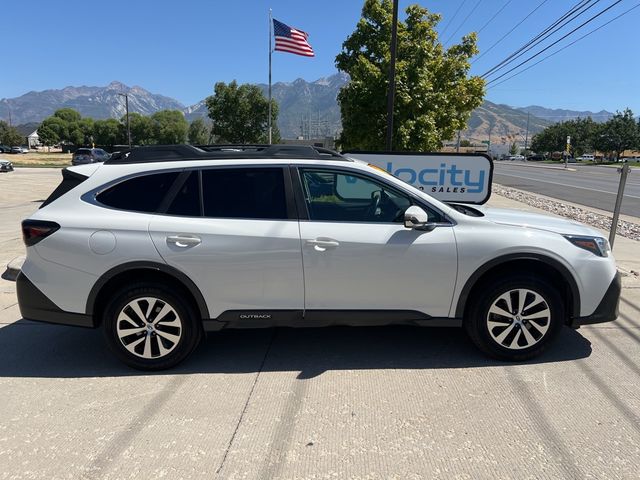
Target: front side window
{"points": [[139, 194], [342, 197], [244, 193]]}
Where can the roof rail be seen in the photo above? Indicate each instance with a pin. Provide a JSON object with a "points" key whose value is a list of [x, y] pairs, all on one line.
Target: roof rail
{"points": [[171, 153]]}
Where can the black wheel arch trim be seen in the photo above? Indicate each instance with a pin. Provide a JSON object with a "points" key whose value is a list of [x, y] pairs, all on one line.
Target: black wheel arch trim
{"points": [[154, 266], [564, 271]]}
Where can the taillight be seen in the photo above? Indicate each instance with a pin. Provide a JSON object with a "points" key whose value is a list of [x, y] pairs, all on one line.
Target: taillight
{"points": [[35, 230]]}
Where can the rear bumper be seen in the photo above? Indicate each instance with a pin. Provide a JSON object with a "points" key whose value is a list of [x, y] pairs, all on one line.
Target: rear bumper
{"points": [[34, 305], [607, 310]]}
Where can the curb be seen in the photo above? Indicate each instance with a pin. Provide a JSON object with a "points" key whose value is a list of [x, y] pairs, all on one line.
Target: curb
{"points": [[548, 167], [13, 268]]}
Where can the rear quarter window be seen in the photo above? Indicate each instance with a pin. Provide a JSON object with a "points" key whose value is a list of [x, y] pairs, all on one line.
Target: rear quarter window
{"points": [[139, 194]]}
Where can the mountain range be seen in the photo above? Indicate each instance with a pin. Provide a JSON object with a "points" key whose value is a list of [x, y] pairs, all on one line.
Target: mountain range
{"points": [[307, 109]]}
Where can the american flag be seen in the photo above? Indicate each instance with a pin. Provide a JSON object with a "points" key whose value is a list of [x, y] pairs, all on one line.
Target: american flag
{"points": [[292, 40]]}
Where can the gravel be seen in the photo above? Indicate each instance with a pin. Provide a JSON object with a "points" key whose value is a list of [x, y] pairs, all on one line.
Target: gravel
{"points": [[625, 229]]}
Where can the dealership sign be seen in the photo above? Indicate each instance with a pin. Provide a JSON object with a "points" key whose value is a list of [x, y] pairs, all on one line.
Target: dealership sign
{"points": [[449, 177]]}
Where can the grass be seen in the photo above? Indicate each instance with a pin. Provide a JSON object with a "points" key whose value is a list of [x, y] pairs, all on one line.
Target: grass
{"points": [[40, 159]]}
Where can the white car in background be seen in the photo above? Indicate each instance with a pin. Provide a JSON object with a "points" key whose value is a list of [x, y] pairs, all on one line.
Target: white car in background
{"points": [[160, 244], [5, 165]]}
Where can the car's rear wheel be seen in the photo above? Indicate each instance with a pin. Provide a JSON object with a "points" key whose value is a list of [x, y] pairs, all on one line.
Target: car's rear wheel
{"points": [[148, 327], [515, 318]]}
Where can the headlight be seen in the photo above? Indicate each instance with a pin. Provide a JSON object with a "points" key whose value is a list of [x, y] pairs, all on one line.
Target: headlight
{"points": [[597, 245]]}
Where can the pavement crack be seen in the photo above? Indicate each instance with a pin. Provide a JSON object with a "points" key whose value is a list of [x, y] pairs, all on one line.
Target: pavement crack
{"points": [[246, 404]]}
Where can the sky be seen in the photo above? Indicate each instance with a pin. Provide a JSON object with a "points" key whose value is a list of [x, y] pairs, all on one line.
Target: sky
{"points": [[181, 49]]}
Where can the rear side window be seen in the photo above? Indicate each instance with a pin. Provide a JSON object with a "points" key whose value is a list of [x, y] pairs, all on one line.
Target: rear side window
{"points": [[139, 194], [187, 199], [244, 193]]}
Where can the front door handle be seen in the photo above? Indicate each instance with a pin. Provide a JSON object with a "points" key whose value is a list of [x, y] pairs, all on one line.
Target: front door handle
{"points": [[183, 241], [323, 244]]}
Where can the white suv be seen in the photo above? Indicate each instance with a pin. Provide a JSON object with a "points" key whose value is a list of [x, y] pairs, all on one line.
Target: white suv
{"points": [[160, 244]]}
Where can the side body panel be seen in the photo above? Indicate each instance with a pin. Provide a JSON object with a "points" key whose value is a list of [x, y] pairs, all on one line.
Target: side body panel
{"points": [[238, 264], [379, 266]]}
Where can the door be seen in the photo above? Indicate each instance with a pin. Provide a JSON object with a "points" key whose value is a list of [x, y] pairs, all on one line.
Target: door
{"points": [[357, 254], [233, 232]]}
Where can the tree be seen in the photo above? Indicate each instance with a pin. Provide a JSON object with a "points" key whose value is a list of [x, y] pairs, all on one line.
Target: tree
{"points": [[554, 138], [69, 127], [141, 129], [434, 95], [513, 148], [169, 127], [619, 133], [198, 132], [107, 132], [465, 143], [68, 115], [58, 126], [240, 114], [86, 126], [9, 135], [47, 136]]}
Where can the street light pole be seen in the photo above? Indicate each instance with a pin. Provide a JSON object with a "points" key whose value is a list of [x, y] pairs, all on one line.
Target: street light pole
{"points": [[126, 103]]}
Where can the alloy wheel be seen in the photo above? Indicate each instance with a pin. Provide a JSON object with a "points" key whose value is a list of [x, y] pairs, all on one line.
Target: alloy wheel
{"points": [[149, 327], [518, 319]]}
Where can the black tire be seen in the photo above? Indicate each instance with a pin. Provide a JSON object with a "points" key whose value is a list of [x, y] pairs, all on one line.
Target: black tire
{"points": [[181, 321], [489, 338]]}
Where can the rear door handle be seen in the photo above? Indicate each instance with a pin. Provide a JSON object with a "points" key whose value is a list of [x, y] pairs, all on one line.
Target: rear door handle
{"points": [[322, 244], [183, 241]]}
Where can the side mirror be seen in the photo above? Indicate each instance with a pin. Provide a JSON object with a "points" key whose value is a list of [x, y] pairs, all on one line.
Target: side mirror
{"points": [[417, 219]]}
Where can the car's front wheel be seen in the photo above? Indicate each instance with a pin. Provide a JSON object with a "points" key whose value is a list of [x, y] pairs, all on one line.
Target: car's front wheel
{"points": [[514, 318], [148, 327]]}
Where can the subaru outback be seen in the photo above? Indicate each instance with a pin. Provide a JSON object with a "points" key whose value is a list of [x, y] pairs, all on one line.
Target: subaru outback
{"points": [[159, 245]]}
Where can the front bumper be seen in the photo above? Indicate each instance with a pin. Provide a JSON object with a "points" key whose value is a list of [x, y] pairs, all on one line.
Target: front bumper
{"points": [[607, 310], [6, 168], [34, 305]]}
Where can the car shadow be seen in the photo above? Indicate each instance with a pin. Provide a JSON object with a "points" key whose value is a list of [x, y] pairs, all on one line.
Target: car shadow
{"points": [[29, 349]]}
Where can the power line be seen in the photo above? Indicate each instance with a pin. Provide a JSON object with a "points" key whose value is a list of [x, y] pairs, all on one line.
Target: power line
{"points": [[556, 42], [567, 46], [510, 31], [463, 21], [494, 16], [452, 18], [575, 11]]}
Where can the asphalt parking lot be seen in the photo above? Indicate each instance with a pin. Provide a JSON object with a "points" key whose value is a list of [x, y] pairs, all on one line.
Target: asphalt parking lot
{"points": [[332, 403]]}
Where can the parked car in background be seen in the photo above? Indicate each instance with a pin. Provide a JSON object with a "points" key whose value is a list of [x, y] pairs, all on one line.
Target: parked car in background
{"points": [[5, 149], [586, 158], [5, 165], [20, 149], [538, 157], [516, 157], [82, 156]]}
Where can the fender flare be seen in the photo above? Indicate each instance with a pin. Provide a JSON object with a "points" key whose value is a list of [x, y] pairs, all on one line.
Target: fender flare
{"points": [[564, 272], [146, 265]]}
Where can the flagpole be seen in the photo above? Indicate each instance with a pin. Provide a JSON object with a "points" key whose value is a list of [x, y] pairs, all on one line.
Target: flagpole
{"points": [[270, 35]]}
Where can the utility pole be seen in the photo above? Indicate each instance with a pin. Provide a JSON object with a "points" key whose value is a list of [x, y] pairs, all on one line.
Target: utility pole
{"points": [[526, 138], [458, 143], [126, 103], [392, 76]]}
